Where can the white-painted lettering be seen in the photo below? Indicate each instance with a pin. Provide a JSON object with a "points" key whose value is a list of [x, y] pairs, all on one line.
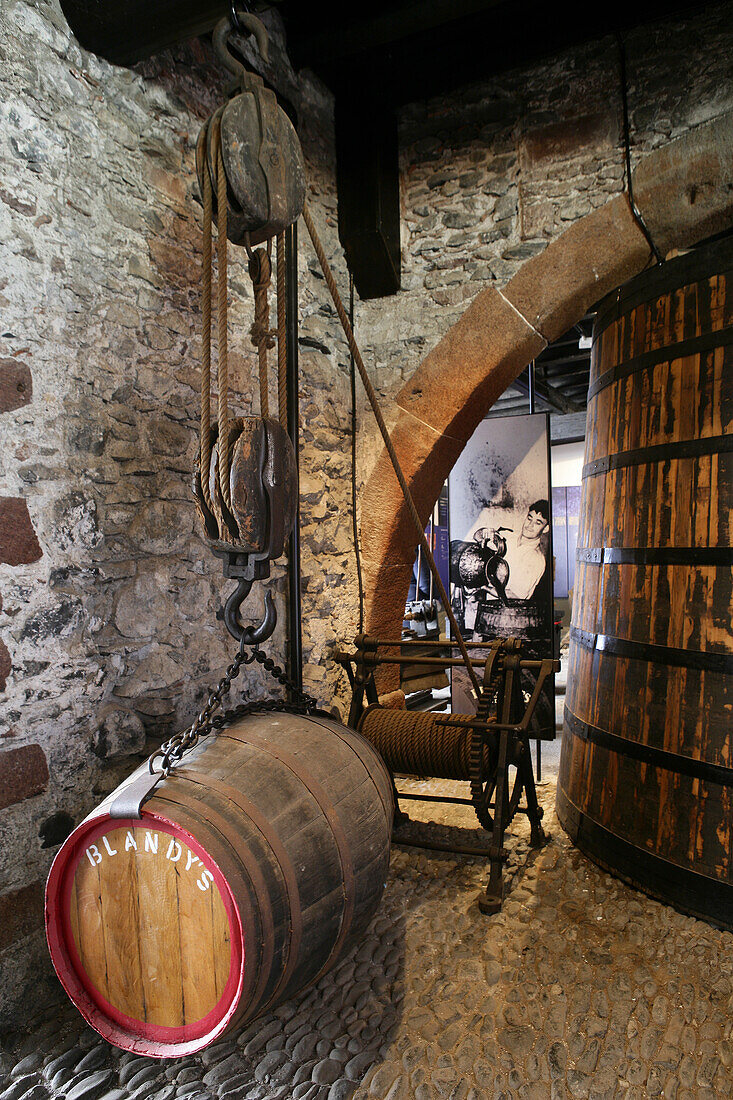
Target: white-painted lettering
{"points": [[94, 855], [206, 878], [151, 842], [110, 851], [174, 852], [191, 859], [130, 841]]}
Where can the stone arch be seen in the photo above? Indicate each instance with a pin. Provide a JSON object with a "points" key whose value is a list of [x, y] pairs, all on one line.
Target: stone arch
{"points": [[684, 192]]}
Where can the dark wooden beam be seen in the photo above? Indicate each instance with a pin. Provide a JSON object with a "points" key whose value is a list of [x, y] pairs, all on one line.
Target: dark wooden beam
{"points": [[367, 176]]}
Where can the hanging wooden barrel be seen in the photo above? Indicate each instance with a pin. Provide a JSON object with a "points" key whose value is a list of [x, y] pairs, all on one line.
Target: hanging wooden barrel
{"points": [[255, 866], [646, 772]]}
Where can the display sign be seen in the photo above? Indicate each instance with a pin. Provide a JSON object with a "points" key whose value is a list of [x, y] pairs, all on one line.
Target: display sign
{"points": [[501, 546]]}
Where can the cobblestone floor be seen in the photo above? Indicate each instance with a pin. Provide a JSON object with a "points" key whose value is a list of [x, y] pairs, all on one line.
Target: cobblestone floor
{"points": [[581, 987]]}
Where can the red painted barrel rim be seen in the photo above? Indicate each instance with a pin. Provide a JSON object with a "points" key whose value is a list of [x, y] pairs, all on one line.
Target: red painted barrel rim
{"points": [[114, 1026]]}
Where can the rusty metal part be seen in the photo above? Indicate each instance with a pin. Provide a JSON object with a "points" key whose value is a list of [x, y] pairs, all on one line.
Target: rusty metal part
{"points": [[344, 658], [251, 635], [489, 749], [243, 22], [420, 744]]}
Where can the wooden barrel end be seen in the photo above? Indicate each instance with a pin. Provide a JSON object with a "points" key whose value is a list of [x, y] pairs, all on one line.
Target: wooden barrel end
{"points": [[145, 935]]}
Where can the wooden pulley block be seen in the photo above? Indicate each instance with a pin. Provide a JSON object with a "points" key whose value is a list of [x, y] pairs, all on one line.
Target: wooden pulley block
{"points": [[263, 160], [263, 484]]}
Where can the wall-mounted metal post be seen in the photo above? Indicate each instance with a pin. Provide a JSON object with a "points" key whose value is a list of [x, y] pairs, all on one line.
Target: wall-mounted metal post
{"points": [[531, 393], [295, 638]]}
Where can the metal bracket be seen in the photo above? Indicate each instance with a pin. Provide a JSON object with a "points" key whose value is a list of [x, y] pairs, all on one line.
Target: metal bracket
{"points": [[129, 801], [246, 569]]}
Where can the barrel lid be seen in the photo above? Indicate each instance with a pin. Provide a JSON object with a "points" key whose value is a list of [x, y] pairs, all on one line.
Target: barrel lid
{"points": [[144, 934], [712, 258]]}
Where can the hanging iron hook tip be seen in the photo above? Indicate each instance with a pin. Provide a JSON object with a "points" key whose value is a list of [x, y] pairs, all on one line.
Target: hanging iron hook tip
{"points": [[250, 635], [253, 635]]}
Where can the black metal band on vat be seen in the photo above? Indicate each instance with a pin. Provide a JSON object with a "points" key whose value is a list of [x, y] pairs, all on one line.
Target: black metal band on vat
{"points": [[655, 555], [698, 659], [695, 345], [695, 893], [660, 452], [674, 275], [648, 754]]}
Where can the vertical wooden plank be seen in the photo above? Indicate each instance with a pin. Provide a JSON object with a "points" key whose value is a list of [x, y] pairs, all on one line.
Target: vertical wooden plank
{"points": [[119, 909], [158, 924], [91, 935], [222, 941], [197, 945]]}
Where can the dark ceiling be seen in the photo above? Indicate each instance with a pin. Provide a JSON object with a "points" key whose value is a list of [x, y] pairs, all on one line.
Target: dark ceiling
{"points": [[408, 49], [418, 48]]}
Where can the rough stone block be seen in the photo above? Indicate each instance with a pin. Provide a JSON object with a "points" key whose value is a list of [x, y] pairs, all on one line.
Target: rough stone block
{"points": [[21, 913], [459, 380], [537, 214], [5, 665], [388, 533], [16, 385], [119, 733], [684, 190], [18, 541], [556, 288], [23, 774], [541, 147]]}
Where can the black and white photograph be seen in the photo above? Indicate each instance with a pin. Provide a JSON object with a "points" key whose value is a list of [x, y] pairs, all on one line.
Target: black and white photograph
{"points": [[501, 539]]}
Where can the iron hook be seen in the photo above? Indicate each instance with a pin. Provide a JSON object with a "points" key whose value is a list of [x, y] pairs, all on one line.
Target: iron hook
{"points": [[246, 24], [250, 635]]}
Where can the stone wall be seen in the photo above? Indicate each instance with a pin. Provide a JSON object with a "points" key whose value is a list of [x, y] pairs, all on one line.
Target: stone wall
{"points": [[109, 594]]}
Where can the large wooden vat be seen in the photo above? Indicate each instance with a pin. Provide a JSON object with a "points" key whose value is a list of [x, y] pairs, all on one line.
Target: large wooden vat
{"points": [[646, 772], [254, 867]]}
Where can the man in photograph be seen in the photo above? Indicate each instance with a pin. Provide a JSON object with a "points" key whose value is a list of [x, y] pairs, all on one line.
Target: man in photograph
{"points": [[524, 554]]}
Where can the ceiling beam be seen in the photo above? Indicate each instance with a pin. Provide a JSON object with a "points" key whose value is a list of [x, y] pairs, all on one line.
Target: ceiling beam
{"points": [[547, 393]]}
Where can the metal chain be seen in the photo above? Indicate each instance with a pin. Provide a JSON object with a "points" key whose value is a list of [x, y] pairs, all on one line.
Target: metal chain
{"points": [[172, 751]]}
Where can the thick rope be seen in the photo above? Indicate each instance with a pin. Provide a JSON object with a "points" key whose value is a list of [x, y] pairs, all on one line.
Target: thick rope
{"points": [[282, 350], [260, 272], [225, 443], [205, 430], [371, 394]]}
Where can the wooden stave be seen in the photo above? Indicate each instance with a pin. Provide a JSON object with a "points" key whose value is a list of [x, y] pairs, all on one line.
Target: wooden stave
{"points": [[176, 802], [592, 812]]}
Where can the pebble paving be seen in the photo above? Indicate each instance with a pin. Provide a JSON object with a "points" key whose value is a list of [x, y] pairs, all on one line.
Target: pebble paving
{"points": [[580, 987]]}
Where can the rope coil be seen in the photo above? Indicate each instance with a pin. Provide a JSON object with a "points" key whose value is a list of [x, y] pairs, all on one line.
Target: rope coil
{"points": [[262, 335]]}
